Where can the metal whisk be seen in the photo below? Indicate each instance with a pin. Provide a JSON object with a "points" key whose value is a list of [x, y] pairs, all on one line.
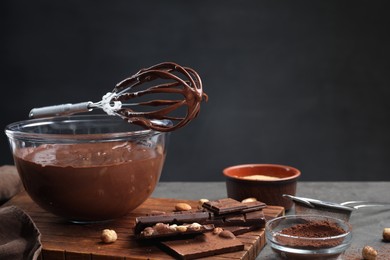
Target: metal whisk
{"points": [[171, 79]]}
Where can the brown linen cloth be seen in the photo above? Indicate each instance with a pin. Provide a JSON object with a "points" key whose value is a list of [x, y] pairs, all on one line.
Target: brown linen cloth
{"points": [[19, 237]]}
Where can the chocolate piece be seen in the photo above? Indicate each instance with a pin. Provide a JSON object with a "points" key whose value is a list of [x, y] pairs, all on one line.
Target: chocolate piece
{"points": [[204, 245], [161, 230], [178, 218], [235, 219], [224, 206], [255, 218], [239, 230], [228, 206], [254, 206]]}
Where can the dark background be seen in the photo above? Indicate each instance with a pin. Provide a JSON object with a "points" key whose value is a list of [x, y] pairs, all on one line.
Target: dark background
{"points": [[301, 83]]}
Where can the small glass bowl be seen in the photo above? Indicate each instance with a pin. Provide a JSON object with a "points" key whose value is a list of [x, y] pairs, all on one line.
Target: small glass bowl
{"points": [[89, 167], [305, 247]]}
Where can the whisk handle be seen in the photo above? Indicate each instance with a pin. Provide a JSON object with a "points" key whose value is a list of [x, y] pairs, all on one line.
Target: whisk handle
{"points": [[61, 110]]}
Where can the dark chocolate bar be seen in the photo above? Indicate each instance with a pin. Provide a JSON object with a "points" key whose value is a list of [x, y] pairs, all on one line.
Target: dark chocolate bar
{"points": [[220, 213], [254, 218], [239, 230], [224, 206], [204, 245], [161, 230], [229, 206], [177, 218], [254, 206]]}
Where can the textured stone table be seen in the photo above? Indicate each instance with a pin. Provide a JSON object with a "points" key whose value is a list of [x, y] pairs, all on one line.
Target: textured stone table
{"points": [[368, 223]]}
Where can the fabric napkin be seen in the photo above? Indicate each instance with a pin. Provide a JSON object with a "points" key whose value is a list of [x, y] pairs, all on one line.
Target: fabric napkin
{"points": [[19, 237]]}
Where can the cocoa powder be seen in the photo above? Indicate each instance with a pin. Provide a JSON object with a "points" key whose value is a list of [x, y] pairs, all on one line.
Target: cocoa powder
{"points": [[312, 229]]}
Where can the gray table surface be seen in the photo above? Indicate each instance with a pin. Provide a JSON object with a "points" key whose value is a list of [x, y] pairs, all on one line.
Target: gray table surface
{"points": [[367, 223]]}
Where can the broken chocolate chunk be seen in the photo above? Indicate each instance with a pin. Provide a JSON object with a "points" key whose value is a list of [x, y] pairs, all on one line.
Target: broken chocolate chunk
{"points": [[224, 206], [177, 218], [161, 230], [239, 230], [228, 206], [204, 245], [255, 218]]}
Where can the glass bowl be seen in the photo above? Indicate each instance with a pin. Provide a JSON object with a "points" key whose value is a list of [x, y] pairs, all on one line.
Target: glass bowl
{"points": [[89, 167], [308, 236]]}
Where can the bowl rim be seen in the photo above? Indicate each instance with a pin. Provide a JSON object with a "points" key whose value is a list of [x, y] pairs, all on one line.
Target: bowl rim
{"points": [[296, 175], [336, 220], [14, 130]]}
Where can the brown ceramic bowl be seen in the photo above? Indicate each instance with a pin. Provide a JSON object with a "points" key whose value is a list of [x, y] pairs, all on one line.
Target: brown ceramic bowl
{"points": [[265, 182]]}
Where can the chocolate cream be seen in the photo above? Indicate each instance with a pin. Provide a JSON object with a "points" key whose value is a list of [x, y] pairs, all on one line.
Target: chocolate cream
{"points": [[90, 181]]}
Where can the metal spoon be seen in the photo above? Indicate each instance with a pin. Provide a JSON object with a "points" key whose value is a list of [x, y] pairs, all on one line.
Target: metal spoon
{"points": [[340, 210]]}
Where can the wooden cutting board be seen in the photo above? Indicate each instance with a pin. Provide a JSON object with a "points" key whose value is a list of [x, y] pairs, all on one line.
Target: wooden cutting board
{"points": [[67, 241]]}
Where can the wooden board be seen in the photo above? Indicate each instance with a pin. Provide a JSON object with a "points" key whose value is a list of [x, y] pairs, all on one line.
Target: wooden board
{"points": [[63, 240]]}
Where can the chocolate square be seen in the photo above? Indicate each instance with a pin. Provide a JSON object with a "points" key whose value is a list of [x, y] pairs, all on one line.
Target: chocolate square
{"points": [[207, 244], [224, 206]]}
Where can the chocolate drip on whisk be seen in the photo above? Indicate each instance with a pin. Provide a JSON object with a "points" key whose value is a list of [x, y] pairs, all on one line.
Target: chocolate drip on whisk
{"points": [[181, 80]]}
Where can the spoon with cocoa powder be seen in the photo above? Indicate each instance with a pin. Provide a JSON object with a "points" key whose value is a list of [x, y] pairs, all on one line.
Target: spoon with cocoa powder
{"points": [[176, 92]]}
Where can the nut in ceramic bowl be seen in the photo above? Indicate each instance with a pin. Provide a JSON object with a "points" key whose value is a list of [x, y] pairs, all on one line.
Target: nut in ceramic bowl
{"points": [[308, 236], [265, 182], [87, 168]]}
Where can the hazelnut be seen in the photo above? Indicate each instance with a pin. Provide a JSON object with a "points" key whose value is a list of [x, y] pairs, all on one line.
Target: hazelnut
{"points": [[247, 200], [217, 230], [173, 227], [108, 236], [181, 228], [182, 207], [148, 231], [195, 226], [201, 201], [227, 234], [369, 253], [161, 228], [386, 234]]}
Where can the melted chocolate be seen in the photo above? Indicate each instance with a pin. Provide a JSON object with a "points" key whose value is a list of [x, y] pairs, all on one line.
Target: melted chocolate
{"points": [[89, 181]]}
